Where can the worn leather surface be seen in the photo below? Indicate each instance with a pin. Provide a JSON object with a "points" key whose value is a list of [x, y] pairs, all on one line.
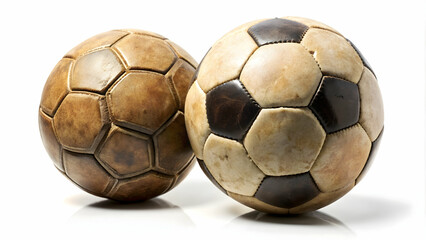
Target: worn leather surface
{"points": [[336, 104], [298, 99], [112, 115], [230, 111]]}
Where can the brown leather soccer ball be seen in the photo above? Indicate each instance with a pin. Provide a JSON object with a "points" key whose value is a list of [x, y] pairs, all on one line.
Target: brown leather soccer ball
{"points": [[285, 115], [111, 115]]}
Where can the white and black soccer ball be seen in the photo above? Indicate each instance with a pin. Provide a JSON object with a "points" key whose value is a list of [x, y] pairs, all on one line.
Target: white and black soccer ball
{"points": [[284, 115]]}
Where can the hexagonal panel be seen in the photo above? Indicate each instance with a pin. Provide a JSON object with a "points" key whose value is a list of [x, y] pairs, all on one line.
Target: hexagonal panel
{"points": [[145, 52], [334, 54], [341, 159], [209, 175], [277, 30], [284, 141], [53, 148], [225, 59], [229, 164], [56, 87], [141, 101], [142, 187], [102, 40], [81, 121], [126, 153], [257, 204], [196, 119], [281, 75], [172, 148], [336, 104], [372, 112], [180, 76], [230, 110], [85, 171], [96, 71], [373, 151], [287, 191]]}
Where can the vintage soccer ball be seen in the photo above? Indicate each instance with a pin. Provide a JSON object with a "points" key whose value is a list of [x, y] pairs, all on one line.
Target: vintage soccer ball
{"points": [[285, 115], [111, 115]]}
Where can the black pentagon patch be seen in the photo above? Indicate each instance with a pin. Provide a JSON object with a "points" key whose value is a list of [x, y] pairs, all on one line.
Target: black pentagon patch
{"points": [[374, 146], [277, 30], [287, 191], [364, 61], [336, 104], [230, 110], [209, 175]]}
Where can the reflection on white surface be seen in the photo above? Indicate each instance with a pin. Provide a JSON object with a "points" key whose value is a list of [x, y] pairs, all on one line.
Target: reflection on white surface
{"points": [[340, 220], [196, 208], [194, 193], [117, 219], [309, 224]]}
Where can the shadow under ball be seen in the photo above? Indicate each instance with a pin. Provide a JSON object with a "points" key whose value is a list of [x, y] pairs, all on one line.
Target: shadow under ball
{"points": [[284, 115], [111, 115]]}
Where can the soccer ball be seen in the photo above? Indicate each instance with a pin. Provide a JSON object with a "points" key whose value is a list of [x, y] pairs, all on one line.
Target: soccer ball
{"points": [[111, 115], [285, 115]]}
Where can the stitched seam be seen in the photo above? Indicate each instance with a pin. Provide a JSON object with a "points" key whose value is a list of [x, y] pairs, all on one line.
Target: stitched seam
{"points": [[119, 39], [172, 88]]}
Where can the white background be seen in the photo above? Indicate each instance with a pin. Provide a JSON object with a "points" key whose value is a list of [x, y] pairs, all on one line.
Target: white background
{"points": [[37, 202]]}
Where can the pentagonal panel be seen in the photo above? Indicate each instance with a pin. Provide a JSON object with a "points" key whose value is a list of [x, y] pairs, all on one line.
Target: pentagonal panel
{"points": [[335, 56], [96, 71], [257, 204], [85, 171], [229, 164], [102, 40], [322, 200], [363, 59], [284, 141], [196, 119], [336, 104], [141, 101], [230, 110], [142, 187], [180, 76], [172, 148], [372, 112], [287, 191], [312, 23], [56, 87], [281, 75], [225, 59], [145, 52], [182, 53], [126, 153], [209, 175], [53, 148], [342, 158], [81, 121], [277, 30], [374, 146]]}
